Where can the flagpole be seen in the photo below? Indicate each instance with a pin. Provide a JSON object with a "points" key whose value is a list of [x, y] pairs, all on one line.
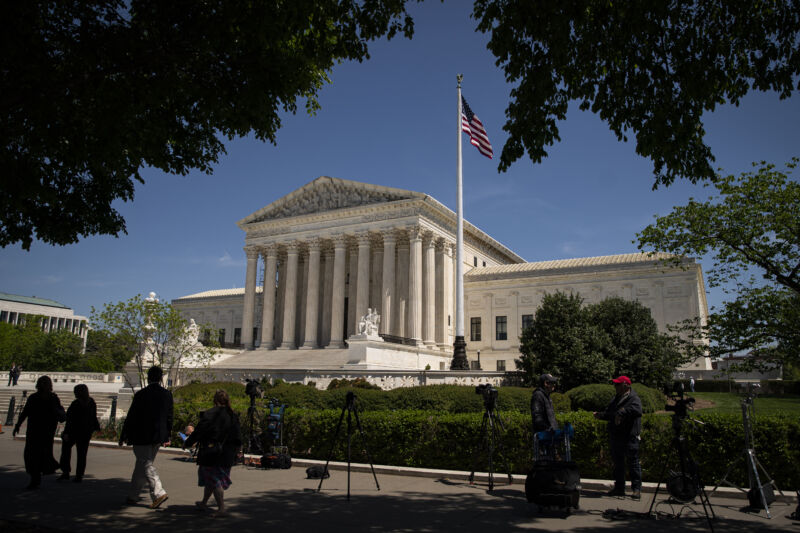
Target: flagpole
{"points": [[459, 361]]}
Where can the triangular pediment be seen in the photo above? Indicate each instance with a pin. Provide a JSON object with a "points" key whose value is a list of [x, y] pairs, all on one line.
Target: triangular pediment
{"points": [[328, 194]]}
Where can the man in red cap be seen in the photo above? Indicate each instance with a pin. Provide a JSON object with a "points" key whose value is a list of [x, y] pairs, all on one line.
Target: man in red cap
{"points": [[624, 415]]}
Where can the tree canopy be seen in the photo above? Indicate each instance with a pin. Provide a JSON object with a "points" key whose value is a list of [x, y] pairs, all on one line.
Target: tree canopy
{"points": [[93, 91], [750, 227], [591, 344], [648, 69], [27, 345], [150, 332]]}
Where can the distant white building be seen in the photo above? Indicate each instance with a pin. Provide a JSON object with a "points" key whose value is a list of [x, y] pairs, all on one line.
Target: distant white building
{"points": [[15, 309], [334, 248]]}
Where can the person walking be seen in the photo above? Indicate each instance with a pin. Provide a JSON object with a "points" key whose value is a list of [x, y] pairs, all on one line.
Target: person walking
{"points": [[81, 423], [219, 436], [11, 373], [148, 426], [17, 372], [43, 411], [691, 383], [624, 416]]}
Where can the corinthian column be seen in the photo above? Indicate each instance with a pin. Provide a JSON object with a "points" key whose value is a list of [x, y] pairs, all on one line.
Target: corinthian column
{"points": [[268, 314], [312, 295], [362, 280], [337, 307], [249, 297], [290, 300], [428, 291], [399, 313], [415, 285], [387, 292]]}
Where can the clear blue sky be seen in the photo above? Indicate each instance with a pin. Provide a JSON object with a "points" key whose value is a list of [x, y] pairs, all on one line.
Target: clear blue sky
{"points": [[391, 121]]}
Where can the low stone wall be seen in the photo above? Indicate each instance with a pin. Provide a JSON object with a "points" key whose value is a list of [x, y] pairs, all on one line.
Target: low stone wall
{"points": [[385, 379], [74, 377]]}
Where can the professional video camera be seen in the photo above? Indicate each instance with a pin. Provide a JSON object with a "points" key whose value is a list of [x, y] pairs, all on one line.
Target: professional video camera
{"points": [[682, 405], [253, 389], [489, 394]]}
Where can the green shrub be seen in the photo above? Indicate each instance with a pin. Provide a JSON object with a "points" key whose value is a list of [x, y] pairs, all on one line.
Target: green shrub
{"points": [[596, 397], [205, 391], [358, 383]]}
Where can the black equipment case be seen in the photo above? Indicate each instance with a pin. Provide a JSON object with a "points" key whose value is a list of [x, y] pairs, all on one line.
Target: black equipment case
{"points": [[554, 480]]}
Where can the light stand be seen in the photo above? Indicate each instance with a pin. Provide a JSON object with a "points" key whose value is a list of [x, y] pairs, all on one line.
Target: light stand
{"points": [[752, 464]]}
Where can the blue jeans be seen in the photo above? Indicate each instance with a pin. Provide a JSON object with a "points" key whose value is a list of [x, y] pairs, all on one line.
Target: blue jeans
{"points": [[626, 453]]}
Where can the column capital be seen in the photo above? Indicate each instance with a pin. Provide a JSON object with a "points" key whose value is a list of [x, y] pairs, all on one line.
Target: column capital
{"points": [[251, 251], [292, 247], [429, 238], [363, 238], [414, 232], [389, 236], [268, 250], [314, 244], [339, 240]]}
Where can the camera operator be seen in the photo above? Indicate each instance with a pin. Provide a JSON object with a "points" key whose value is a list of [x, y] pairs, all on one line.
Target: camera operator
{"points": [[542, 412], [624, 416]]}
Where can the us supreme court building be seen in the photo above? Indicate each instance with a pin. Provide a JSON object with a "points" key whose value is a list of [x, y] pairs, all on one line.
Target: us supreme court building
{"points": [[335, 248]]}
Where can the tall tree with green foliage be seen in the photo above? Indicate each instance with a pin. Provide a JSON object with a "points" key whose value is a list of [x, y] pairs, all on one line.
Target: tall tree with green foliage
{"points": [[563, 343], [153, 333], [92, 91], [28, 345], [649, 69], [591, 344], [105, 352], [751, 228]]}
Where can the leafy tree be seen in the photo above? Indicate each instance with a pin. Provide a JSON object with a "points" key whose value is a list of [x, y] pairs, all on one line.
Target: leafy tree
{"points": [[633, 342], [582, 345], [27, 345], [104, 352], [649, 69], [563, 343], [92, 91], [59, 350], [150, 333], [750, 227]]}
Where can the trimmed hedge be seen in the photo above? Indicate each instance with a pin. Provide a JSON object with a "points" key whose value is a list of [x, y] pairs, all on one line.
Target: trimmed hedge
{"points": [[437, 439], [450, 398], [596, 397]]}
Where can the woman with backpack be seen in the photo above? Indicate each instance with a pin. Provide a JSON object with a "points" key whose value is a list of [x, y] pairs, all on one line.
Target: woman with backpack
{"points": [[219, 436]]}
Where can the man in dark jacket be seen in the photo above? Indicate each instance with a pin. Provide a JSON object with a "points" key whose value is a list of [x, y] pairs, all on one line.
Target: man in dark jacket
{"points": [[544, 416], [624, 415], [147, 426]]}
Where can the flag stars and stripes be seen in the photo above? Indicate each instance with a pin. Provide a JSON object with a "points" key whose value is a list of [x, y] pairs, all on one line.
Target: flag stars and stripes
{"points": [[473, 126]]}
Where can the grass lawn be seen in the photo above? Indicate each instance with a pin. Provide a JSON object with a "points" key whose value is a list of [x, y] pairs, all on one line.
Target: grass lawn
{"points": [[726, 402]]}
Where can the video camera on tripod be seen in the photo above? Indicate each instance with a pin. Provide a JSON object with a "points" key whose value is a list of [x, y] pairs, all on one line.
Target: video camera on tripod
{"points": [[682, 405], [489, 394], [253, 389]]}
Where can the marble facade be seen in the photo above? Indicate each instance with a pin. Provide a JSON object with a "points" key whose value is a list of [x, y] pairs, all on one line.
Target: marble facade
{"points": [[335, 248]]}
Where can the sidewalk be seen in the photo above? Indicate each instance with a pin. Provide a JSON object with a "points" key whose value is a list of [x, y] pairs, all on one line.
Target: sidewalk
{"points": [[284, 500]]}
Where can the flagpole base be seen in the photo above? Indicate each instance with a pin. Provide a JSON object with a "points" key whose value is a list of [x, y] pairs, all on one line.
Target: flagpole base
{"points": [[459, 361]]}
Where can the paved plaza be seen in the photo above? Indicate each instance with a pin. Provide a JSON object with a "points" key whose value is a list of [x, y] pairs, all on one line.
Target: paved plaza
{"points": [[284, 500]]}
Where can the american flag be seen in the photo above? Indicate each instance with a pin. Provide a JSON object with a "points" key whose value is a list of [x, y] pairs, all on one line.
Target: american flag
{"points": [[471, 124]]}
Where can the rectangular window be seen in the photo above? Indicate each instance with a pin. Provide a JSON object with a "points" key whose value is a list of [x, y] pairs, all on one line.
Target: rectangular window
{"points": [[484, 263], [475, 328], [222, 337], [474, 365], [501, 366], [237, 336], [501, 333], [527, 322], [475, 260]]}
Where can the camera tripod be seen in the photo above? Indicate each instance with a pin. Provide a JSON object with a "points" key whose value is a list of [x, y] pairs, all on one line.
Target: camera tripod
{"points": [[352, 412], [751, 461], [253, 436], [685, 485], [490, 441]]}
